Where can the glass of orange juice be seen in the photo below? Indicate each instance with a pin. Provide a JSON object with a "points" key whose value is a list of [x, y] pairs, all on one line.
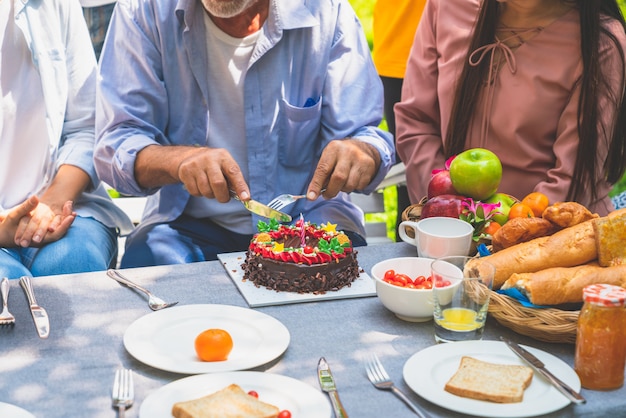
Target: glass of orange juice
{"points": [[460, 309]]}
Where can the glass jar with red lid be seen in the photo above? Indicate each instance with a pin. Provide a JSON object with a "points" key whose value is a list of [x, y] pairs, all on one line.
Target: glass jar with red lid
{"points": [[601, 338]]}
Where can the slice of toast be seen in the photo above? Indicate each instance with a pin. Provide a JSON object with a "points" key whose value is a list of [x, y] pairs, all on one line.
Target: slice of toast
{"points": [[230, 402], [501, 383], [610, 233]]}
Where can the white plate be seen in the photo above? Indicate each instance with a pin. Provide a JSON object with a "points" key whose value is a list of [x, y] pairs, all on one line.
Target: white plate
{"points": [[363, 286], [165, 339], [427, 372], [8, 410], [301, 399]]}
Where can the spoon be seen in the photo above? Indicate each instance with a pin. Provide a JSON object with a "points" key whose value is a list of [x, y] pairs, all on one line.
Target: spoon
{"points": [[154, 302]]}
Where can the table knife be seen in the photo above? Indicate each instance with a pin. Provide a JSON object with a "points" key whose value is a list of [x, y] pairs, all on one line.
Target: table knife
{"points": [[262, 210], [538, 365], [327, 383], [40, 316]]}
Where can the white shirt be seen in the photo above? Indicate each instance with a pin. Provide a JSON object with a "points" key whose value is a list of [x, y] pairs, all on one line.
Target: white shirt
{"points": [[23, 132], [226, 72], [95, 3]]}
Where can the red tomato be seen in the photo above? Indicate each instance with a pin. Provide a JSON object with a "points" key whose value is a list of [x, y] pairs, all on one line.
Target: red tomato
{"points": [[403, 278], [284, 414], [389, 275], [253, 393], [419, 280]]}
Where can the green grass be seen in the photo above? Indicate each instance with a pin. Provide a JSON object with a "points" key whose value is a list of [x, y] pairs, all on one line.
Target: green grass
{"points": [[363, 9]]}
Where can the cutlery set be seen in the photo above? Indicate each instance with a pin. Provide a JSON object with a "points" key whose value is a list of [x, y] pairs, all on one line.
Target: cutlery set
{"points": [[39, 314]]}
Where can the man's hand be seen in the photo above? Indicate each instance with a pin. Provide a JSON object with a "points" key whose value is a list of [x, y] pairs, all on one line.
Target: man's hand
{"points": [[345, 165], [208, 172]]}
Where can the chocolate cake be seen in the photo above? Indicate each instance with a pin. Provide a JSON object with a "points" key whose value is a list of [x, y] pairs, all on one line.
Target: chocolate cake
{"points": [[301, 258]]}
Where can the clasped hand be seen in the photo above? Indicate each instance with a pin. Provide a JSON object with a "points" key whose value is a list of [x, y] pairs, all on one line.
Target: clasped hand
{"points": [[34, 224]]}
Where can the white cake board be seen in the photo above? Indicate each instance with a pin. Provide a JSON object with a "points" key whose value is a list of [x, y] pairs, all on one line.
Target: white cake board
{"points": [[260, 296]]}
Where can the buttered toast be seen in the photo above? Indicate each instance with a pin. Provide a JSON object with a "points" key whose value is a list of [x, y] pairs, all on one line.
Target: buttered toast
{"points": [[230, 402], [501, 383]]}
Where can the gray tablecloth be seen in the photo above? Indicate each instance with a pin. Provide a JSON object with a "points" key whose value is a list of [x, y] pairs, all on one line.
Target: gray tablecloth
{"points": [[70, 374]]}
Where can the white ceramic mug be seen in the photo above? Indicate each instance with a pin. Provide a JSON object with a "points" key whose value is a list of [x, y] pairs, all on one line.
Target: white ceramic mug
{"points": [[438, 237]]}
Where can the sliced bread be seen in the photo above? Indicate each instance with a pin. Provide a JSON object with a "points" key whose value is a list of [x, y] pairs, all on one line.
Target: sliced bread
{"points": [[501, 383], [230, 402]]}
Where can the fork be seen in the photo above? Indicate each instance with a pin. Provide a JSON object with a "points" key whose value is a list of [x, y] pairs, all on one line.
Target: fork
{"points": [[6, 318], [279, 202], [380, 379], [154, 302], [123, 393]]}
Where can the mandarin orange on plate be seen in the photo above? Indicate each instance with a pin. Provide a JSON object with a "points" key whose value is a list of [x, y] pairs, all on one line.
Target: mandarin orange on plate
{"points": [[213, 345]]}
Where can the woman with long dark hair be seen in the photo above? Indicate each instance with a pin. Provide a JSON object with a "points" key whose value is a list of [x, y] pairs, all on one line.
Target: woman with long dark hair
{"points": [[538, 82]]}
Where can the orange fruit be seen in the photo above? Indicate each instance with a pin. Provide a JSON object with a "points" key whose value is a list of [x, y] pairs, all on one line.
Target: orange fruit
{"points": [[521, 210], [213, 345], [536, 201], [491, 228]]}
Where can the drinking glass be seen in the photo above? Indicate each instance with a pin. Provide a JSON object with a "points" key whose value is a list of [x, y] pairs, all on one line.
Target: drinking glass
{"points": [[460, 298]]}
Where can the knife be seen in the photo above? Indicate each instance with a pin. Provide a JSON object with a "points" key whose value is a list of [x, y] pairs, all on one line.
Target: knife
{"points": [[40, 316], [327, 383], [261, 209], [538, 365]]}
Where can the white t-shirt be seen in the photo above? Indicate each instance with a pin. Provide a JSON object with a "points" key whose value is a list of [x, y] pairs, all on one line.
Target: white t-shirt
{"points": [[24, 142], [95, 3], [226, 72]]}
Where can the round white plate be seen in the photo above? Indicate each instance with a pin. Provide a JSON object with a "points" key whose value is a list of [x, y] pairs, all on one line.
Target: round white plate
{"points": [[427, 372], [165, 339], [8, 410], [301, 399]]}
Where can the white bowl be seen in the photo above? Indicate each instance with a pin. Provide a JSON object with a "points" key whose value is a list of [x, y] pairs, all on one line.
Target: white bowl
{"points": [[414, 305]]}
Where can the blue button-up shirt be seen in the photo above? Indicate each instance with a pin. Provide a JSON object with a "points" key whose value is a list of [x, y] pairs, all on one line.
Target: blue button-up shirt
{"points": [[310, 80]]}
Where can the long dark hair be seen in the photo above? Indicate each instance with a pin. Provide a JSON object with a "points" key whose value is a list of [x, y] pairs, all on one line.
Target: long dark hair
{"points": [[586, 170]]}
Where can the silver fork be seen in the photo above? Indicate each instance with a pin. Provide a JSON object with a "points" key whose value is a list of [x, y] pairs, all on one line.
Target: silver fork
{"points": [[378, 376], [283, 200], [154, 302], [123, 393], [6, 317]]}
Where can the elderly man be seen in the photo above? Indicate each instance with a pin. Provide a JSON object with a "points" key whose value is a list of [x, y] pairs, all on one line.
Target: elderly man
{"points": [[262, 97]]}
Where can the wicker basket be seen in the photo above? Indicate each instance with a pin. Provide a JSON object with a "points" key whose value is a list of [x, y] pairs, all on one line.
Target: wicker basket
{"points": [[544, 324]]}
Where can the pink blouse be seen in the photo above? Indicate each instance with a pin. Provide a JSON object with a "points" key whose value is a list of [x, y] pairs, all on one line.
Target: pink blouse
{"points": [[531, 109]]}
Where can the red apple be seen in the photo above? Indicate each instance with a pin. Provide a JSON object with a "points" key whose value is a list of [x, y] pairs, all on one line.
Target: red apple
{"points": [[447, 205], [476, 173], [440, 183]]}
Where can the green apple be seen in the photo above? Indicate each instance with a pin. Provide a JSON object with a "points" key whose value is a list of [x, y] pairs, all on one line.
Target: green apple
{"points": [[506, 201], [476, 173]]}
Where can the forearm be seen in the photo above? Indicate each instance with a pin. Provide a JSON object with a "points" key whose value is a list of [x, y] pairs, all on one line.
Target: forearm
{"points": [[157, 166], [68, 184]]}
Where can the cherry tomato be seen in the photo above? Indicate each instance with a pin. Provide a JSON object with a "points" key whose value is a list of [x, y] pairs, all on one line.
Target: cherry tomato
{"points": [[253, 393], [403, 278], [284, 414], [389, 275]]}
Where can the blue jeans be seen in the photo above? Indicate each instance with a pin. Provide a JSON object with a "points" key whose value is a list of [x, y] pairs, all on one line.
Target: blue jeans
{"points": [[187, 240], [88, 246]]}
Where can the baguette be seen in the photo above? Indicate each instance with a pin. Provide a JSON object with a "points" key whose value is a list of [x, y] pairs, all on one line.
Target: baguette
{"points": [[230, 402], [561, 285], [480, 380], [568, 247]]}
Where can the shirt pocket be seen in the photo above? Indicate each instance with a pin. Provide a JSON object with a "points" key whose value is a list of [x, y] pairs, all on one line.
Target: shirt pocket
{"points": [[299, 128]]}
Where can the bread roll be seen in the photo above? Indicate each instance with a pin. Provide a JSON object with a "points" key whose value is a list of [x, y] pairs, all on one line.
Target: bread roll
{"points": [[518, 230], [566, 214], [568, 247], [485, 381], [561, 285]]}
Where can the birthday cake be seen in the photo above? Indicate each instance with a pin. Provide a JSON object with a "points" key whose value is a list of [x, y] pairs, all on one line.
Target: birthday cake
{"points": [[301, 258]]}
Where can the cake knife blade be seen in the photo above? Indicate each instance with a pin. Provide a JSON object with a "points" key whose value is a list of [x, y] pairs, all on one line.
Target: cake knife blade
{"points": [[39, 314], [538, 365], [327, 383], [261, 209]]}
